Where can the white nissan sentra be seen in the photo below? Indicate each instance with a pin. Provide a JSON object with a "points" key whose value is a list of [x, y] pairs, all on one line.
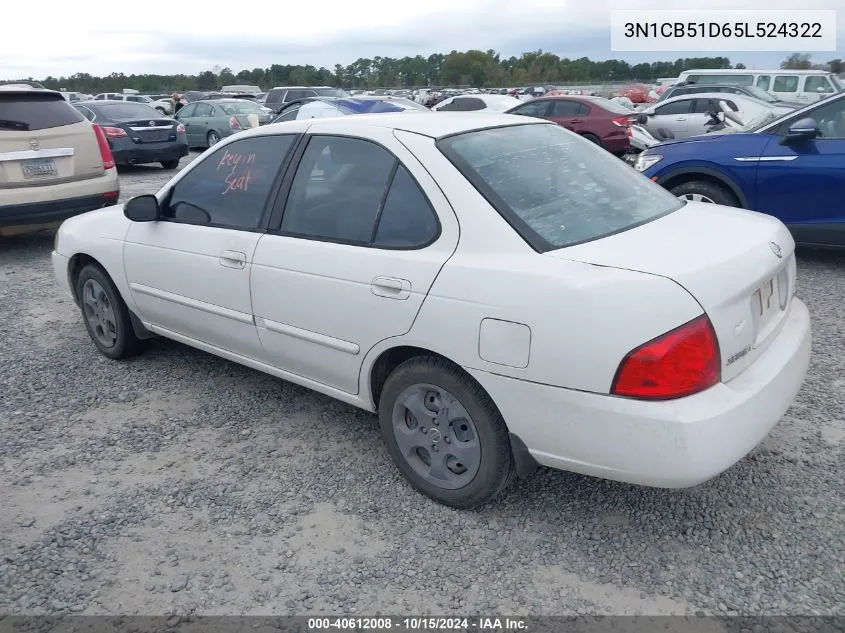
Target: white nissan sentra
{"points": [[502, 292]]}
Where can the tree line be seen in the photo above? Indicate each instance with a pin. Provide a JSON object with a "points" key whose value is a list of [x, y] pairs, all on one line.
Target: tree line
{"points": [[473, 68]]}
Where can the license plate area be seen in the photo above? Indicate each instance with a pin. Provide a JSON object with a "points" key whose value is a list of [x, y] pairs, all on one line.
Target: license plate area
{"points": [[768, 302], [39, 168]]}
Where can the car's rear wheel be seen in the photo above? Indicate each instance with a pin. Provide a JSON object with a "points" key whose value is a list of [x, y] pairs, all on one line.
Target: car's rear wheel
{"points": [[703, 191], [170, 164], [105, 314], [213, 138], [444, 433]]}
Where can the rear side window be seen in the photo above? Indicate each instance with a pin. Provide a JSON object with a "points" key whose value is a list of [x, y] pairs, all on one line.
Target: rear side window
{"points": [[469, 104], [553, 187], [764, 81], [786, 83], [28, 113]]}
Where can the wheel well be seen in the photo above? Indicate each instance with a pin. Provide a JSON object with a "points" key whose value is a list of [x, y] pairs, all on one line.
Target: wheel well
{"points": [[77, 263], [680, 179], [392, 358]]}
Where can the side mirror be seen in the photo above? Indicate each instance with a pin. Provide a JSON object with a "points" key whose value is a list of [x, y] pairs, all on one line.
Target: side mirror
{"points": [[142, 209], [802, 130], [642, 119]]}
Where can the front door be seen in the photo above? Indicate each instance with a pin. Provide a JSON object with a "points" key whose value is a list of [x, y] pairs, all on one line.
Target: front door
{"points": [[358, 246], [189, 272], [802, 184], [673, 116]]}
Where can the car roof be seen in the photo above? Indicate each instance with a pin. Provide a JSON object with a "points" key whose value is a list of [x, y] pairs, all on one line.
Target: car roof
{"points": [[707, 95], [26, 89], [423, 123]]}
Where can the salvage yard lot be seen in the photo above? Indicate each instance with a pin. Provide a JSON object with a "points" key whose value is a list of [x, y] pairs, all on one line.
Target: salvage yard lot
{"points": [[180, 482]]}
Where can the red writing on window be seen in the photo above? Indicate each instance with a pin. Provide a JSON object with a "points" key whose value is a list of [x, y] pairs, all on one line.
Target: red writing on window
{"points": [[238, 174]]}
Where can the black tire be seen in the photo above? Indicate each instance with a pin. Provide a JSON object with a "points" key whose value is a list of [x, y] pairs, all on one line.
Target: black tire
{"points": [[126, 344], [496, 470], [592, 138], [716, 194], [170, 164]]}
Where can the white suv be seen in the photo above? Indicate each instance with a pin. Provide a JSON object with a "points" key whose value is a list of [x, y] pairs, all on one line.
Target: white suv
{"points": [[165, 106]]}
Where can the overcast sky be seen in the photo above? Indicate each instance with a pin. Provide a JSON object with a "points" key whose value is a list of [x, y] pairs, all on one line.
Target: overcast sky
{"points": [[133, 37]]}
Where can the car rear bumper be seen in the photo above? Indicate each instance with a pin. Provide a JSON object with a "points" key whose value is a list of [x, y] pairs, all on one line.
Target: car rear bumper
{"points": [[49, 212], [135, 154], [674, 444]]}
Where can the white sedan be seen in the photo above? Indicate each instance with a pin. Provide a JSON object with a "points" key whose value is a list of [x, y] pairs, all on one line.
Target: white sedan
{"points": [[477, 103], [502, 292]]}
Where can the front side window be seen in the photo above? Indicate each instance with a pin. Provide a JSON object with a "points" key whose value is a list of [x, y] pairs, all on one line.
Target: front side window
{"points": [[229, 188], [187, 111], [469, 104], [785, 83], [555, 188], [288, 115], [676, 107], [831, 119], [815, 83]]}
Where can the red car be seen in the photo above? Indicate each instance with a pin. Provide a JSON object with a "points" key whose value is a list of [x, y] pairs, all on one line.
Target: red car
{"points": [[599, 120]]}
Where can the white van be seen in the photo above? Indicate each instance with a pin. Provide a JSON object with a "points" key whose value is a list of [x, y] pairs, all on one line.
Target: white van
{"points": [[804, 86]]}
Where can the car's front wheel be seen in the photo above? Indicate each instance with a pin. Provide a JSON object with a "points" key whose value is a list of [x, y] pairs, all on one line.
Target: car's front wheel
{"points": [[704, 191], [105, 314], [170, 164], [445, 433], [213, 138]]}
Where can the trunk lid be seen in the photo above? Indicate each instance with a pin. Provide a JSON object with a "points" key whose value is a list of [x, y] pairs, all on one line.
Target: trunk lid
{"points": [[738, 265], [150, 130], [49, 156]]}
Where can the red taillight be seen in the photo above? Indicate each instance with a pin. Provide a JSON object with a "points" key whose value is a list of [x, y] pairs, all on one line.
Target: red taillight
{"points": [[233, 123], [681, 362], [180, 129], [114, 132], [105, 150], [623, 121]]}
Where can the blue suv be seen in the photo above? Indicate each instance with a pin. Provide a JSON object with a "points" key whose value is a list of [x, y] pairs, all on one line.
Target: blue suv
{"points": [[792, 168]]}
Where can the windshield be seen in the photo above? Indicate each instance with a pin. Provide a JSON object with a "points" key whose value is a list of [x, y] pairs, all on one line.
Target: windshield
{"points": [[555, 188], [760, 94], [242, 107], [128, 111], [761, 120]]}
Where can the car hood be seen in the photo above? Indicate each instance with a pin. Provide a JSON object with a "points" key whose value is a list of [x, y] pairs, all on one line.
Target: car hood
{"points": [[720, 255]]}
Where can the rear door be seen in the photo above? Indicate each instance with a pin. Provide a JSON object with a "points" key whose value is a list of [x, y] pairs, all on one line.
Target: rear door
{"points": [[568, 113], [352, 257], [673, 116], [43, 141]]}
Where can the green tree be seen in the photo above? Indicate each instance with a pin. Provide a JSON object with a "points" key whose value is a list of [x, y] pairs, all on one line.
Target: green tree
{"points": [[797, 61]]}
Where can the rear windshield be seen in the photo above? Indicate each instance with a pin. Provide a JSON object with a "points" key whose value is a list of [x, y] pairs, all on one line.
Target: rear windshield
{"points": [[246, 107], [611, 106], [28, 113], [331, 92], [555, 188], [128, 111]]}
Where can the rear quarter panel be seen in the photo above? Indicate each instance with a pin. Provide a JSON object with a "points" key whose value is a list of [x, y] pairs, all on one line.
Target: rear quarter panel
{"points": [[583, 318]]}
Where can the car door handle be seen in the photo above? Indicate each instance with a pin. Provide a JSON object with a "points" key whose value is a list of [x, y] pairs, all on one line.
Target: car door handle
{"points": [[232, 259], [681, 118], [576, 120], [391, 287]]}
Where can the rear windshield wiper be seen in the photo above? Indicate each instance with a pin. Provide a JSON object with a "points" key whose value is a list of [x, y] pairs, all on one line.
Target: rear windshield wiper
{"points": [[20, 126]]}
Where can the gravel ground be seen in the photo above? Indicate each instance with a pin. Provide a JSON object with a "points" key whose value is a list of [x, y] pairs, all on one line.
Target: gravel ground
{"points": [[178, 482]]}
